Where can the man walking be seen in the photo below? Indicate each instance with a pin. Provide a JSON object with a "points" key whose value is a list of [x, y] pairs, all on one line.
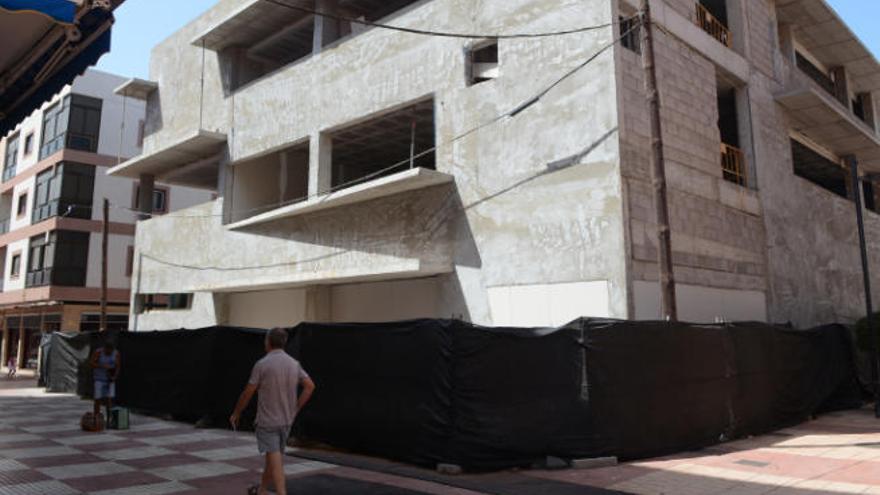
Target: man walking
{"points": [[276, 377]]}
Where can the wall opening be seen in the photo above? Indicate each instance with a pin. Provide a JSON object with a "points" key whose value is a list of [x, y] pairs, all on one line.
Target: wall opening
{"points": [[733, 157], [270, 181], [819, 170], [384, 145], [712, 17], [144, 303], [483, 62]]}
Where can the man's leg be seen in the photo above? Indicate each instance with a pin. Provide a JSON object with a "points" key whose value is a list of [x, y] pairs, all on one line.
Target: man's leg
{"points": [[266, 480], [273, 460]]}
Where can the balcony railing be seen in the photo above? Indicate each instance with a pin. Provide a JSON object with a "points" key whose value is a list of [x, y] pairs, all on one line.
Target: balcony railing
{"points": [[733, 164], [713, 26]]}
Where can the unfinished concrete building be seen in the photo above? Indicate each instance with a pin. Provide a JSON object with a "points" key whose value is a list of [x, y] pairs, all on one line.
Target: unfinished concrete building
{"points": [[366, 174]]}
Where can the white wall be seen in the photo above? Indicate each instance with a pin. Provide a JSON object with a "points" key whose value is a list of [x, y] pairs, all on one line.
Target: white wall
{"points": [[701, 304], [385, 301], [548, 304], [99, 84], [117, 257], [280, 308]]}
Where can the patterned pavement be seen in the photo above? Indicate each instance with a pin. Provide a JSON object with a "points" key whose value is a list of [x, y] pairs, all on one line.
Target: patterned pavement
{"points": [[43, 452]]}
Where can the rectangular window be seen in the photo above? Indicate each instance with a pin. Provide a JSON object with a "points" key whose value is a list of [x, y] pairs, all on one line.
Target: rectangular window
{"points": [[74, 122], [67, 190], [91, 322], [15, 266], [630, 34], [151, 302], [29, 144], [11, 160], [54, 127], [483, 62], [819, 170], [59, 258], [21, 209], [160, 199]]}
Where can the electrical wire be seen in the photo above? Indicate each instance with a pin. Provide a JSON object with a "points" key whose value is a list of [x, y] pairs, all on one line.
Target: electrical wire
{"points": [[513, 113], [442, 34], [325, 195]]}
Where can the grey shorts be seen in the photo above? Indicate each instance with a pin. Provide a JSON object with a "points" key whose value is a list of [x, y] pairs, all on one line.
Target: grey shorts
{"points": [[104, 390], [271, 440]]}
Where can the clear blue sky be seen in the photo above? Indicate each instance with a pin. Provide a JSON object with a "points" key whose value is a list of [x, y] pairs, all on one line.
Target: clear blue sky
{"points": [[141, 24]]}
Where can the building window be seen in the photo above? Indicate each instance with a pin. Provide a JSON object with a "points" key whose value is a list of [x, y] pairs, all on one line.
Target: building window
{"points": [[74, 122], [91, 322], [819, 170], [29, 144], [21, 209], [67, 190], [483, 62], [15, 266], [818, 75], [160, 199], [712, 17], [869, 190], [630, 34], [59, 258], [129, 261], [167, 302], [11, 160]]}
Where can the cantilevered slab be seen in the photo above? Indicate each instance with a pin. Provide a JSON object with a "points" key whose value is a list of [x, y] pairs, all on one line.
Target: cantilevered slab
{"points": [[199, 146], [820, 30], [139, 89], [822, 118], [249, 23], [409, 180]]}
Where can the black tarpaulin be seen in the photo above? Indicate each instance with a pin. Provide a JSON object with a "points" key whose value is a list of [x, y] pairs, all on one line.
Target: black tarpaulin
{"points": [[430, 391], [65, 361]]}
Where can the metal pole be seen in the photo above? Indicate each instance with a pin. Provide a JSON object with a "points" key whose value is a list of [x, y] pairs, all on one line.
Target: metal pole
{"points": [[866, 275], [412, 145], [661, 207], [105, 230]]}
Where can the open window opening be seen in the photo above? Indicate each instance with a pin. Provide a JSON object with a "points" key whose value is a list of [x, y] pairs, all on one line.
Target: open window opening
{"points": [[712, 16], [630, 33], [483, 62], [145, 303], [384, 145], [818, 169], [730, 124], [270, 181]]}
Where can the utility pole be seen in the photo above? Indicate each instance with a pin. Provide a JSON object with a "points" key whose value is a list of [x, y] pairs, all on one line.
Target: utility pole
{"points": [[866, 274], [104, 238], [668, 304]]}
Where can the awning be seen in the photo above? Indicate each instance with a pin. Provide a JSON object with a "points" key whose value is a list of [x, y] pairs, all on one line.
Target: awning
{"points": [[57, 10], [819, 116], [39, 56], [821, 31], [182, 162]]}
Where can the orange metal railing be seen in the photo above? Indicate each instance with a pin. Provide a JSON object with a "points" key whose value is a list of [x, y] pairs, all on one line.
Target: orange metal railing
{"points": [[733, 164], [713, 26]]}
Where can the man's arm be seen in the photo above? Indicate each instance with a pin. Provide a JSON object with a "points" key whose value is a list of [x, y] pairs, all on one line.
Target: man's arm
{"points": [[308, 390], [243, 400], [94, 361], [115, 372]]}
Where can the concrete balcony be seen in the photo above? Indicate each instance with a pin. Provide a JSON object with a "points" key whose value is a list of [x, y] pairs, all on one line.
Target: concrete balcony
{"points": [[824, 119], [409, 180]]}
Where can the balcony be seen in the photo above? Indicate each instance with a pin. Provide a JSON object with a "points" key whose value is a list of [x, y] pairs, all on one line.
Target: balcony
{"points": [[713, 26], [733, 165]]}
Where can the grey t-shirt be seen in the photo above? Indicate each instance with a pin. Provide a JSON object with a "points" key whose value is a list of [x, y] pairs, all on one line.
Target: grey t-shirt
{"points": [[277, 377]]}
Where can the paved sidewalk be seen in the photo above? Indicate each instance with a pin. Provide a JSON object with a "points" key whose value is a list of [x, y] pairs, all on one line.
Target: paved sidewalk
{"points": [[43, 452]]}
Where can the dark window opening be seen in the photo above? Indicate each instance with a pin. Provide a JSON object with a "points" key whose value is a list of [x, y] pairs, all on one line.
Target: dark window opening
{"points": [[270, 182], [818, 75], [384, 145], [869, 190], [15, 265], [22, 205], [733, 163], [150, 302], [819, 170], [11, 159], [29, 144], [91, 322], [483, 62], [630, 34], [718, 9], [59, 258], [160, 199], [67, 190]]}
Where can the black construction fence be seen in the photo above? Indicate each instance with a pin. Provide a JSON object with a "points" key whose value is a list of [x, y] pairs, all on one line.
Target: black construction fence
{"points": [[446, 391]]}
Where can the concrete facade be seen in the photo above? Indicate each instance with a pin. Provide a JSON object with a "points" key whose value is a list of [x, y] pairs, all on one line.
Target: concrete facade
{"points": [[495, 232]]}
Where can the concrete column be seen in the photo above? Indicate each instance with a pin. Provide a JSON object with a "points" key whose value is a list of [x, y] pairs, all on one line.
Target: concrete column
{"points": [[19, 353], [326, 28], [744, 130], [145, 196], [841, 85], [318, 304], [320, 164], [4, 348], [786, 42]]}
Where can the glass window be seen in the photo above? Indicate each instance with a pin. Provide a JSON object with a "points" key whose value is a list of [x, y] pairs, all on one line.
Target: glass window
{"points": [[15, 269], [66, 190], [29, 144], [22, 205], [160, 199], [11, 158], [58, 259], [85, 123]]}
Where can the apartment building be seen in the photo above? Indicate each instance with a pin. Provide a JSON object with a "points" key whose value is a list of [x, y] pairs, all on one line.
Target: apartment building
{"points": [[51, 200], [367, 174]]}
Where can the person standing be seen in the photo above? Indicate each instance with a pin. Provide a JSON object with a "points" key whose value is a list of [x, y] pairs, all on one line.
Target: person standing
{"points": [[105, 363], [11, 368], [277, 378]]}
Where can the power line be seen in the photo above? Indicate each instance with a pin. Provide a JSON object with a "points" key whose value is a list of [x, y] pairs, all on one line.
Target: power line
{"points": [[425, 32], [527, 103], [516, 111]]}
